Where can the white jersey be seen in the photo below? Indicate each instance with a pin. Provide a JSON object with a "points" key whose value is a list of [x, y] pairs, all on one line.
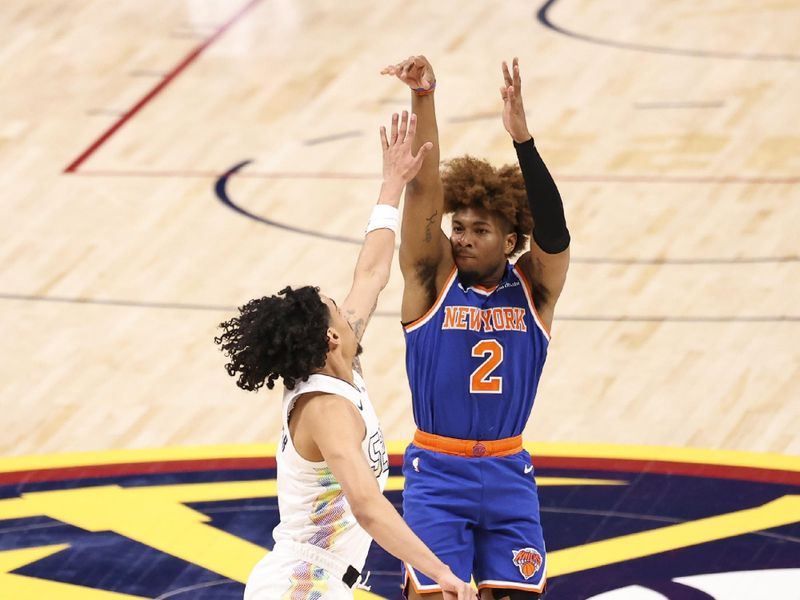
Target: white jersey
{"points": [[312, 506]]}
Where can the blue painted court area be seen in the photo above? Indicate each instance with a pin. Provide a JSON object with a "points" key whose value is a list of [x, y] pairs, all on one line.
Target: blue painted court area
{"points": [[574, 513]]}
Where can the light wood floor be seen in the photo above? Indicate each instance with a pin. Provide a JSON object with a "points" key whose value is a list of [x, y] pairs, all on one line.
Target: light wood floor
{"points": [[671, 126]]}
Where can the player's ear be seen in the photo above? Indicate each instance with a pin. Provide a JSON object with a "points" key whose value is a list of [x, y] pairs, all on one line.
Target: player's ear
{"points": [[511, 241], [334, 340]]}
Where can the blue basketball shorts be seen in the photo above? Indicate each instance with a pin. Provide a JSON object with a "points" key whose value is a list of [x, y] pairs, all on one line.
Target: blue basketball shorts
{"points": [[480, 516]]}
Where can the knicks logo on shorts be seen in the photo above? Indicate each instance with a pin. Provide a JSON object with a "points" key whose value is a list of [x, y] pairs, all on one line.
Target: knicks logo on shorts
{"points": [[528, 560]]}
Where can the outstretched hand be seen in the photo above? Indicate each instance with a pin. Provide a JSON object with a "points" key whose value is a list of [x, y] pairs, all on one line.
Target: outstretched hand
{"points": [[399, 164], [416, 72], [513, 111]]}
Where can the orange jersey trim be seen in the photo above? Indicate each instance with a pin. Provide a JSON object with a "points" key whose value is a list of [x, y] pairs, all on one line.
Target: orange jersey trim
{"points": [[439, 299], [468, 448]]}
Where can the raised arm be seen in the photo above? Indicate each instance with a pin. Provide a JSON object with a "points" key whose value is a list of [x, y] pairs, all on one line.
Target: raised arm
{"points": [[548, 260], [372, 269], [425, 255], [337, 430]]}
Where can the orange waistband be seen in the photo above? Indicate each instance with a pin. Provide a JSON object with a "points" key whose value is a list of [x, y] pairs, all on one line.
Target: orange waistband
{"points": [[469, 448]]}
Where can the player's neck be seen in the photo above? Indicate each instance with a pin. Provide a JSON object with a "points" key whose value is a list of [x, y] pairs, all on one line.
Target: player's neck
{"points": [[336, 365], [487, 280]]}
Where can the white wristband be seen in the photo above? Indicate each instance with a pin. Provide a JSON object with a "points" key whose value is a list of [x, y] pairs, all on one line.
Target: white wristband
{"points": [[384, 216]]}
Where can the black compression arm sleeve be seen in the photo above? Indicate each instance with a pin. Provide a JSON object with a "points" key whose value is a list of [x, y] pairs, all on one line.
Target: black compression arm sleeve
{"points": [[549, 225]]}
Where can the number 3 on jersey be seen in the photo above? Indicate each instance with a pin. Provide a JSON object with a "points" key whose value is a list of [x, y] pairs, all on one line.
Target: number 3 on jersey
{"points": [[481, 380]]}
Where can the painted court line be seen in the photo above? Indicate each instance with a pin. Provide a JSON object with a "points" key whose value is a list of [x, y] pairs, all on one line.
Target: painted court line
{"points": [[168, 78], [543, 16], [396, 315]]}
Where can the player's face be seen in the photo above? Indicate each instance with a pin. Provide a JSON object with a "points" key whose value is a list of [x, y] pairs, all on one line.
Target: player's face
{"points": [[338, 322], [480, 241]]}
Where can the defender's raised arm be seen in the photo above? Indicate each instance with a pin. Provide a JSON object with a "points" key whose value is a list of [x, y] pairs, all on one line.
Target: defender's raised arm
{"points": [[371, 275]]}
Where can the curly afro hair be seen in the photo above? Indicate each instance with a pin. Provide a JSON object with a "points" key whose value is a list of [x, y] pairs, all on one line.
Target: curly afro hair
{"points": [[474, 183], [276, 336]]}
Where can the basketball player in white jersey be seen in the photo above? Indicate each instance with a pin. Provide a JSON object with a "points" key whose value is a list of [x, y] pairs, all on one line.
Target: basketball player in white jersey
{"points": [[332, 463]]}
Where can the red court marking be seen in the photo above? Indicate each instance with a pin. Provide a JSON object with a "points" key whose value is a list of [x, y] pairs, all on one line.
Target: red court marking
{"points": [[168, 78], [613, 465], [588, 178]]}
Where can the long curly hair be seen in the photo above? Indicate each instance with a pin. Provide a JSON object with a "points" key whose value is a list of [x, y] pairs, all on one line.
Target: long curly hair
{"points": [[284, 335], [470, 182]]}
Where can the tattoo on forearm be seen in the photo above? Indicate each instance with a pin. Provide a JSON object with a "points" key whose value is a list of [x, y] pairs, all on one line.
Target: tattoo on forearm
{"points": [[428, 234], [358, 325]]}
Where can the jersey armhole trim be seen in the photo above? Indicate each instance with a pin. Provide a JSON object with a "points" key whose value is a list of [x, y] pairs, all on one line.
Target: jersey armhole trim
{"points": [[432, 310], [290, 441], [528, 289]]}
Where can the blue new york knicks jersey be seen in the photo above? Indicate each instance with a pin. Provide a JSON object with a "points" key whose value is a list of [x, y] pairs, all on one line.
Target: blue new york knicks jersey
{"points": [[475, 358]]}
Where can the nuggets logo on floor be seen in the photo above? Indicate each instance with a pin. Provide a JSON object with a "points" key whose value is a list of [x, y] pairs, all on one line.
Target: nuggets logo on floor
{"points": [[619, 523], [528, 560]]}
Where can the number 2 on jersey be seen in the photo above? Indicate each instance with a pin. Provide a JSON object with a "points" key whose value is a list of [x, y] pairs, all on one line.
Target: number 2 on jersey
{"points": [[481, 381]]}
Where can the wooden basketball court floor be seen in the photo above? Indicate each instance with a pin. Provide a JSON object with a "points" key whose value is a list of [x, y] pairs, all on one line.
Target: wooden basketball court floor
{"points": [[671, 128]]}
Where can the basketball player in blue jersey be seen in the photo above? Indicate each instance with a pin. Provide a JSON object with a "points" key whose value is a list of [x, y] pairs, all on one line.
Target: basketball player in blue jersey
{"points": [[332, 462], [477, 332]]}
